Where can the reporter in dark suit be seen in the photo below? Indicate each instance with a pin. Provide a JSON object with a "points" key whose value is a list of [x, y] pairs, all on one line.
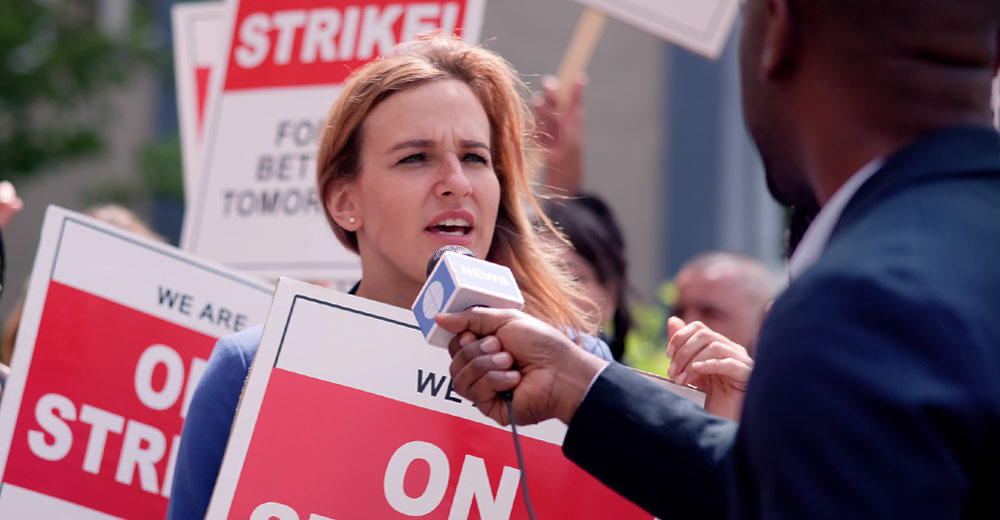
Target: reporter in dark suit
{"points": [[876, 393]]}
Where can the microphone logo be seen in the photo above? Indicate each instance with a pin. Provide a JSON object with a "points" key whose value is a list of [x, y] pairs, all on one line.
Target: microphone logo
{"points": [[433, 299], [457, 280]]}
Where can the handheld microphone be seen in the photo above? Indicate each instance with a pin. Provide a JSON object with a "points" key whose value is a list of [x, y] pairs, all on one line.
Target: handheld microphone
{"points": [[457, 280]]}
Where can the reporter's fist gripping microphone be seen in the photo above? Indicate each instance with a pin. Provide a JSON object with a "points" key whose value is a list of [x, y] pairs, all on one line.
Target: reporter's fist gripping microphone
{"points": [[552, 374]]}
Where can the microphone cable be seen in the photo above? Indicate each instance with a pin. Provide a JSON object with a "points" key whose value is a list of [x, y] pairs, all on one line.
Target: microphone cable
{"points": [[509, 397]]}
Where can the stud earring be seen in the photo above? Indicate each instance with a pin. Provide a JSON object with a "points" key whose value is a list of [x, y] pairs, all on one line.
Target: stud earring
{"points": [[352, 220]]}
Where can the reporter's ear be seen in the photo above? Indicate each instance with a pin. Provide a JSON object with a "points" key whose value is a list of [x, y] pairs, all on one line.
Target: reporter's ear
{"points": [[777, 53]]}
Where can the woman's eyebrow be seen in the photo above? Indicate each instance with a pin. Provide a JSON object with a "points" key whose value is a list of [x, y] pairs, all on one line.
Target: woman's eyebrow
{"points": [[413, 143], [427, 143], [474, 144]]}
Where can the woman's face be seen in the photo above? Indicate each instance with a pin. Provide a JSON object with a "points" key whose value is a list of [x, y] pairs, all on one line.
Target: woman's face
{"points": [[426, 181]]}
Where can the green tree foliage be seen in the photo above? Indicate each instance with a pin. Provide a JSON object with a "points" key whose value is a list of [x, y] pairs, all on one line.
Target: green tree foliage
{"points": [[646, 343], [54, 60]]}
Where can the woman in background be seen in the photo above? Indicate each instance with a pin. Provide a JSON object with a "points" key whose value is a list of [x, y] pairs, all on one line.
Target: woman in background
{"points": [[597, 260]]}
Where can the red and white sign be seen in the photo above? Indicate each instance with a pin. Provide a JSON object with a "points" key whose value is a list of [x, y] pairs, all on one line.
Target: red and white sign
{"points": [[702, 26], [198, 46], [348, 413], [115, 334], [257, 208]]}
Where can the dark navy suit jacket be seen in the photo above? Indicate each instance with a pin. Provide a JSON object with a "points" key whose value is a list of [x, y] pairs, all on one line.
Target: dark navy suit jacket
{"points": [[876, 392]]}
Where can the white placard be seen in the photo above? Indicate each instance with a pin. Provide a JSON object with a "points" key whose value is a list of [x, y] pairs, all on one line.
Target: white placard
{"points": [[115, 333], [257, 207], [344, 393], [198, 46], [702, 26]]}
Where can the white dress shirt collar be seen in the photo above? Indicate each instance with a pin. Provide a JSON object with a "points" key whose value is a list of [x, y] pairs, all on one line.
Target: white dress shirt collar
{"points": [[818, 233]]}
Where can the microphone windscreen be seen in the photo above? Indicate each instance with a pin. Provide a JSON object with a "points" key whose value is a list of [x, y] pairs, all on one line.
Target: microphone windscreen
{"points": [[436, 257]]}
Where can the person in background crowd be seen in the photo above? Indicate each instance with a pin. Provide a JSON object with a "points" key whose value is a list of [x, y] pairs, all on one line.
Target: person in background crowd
{"points": [[597, 259], [876, 390], [727, 292], [587, 220], [423, 148], [600, 262], [721, 301], [124, 218]]}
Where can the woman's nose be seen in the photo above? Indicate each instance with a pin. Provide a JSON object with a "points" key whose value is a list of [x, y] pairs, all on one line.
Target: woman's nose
{"points": [[453, 178]]}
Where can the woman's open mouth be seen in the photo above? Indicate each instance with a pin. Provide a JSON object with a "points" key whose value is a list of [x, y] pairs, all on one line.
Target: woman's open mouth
{"points": [[456, 227]]}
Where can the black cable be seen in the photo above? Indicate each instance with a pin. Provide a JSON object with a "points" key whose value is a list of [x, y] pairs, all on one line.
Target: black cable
{"points": [[509, 396]]}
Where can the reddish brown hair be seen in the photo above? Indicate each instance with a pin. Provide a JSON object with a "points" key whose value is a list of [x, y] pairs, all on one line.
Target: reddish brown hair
{"points": [[540, 272]]}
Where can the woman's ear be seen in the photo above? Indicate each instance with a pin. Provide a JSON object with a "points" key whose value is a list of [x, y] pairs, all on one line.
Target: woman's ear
{"points": [[343, 206]]}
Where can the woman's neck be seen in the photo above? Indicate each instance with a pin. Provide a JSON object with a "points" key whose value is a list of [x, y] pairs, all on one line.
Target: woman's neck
{"points": [[400, 295]]}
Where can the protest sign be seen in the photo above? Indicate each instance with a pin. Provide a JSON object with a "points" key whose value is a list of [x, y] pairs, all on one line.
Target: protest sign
{"points": [[115, 334], [702, 26], [348, 413], [257, 206], [198, 46]]}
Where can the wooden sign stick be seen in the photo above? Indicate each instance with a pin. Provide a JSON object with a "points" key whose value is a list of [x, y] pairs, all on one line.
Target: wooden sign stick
{"points": [[581, 48]]}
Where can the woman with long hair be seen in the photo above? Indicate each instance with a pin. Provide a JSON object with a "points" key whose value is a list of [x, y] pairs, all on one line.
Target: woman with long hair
{"points": [[423, 148]]}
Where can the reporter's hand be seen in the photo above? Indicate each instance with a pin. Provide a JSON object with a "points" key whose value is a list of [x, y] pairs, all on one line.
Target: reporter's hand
{"points": [[715, 364], [552, 373]]}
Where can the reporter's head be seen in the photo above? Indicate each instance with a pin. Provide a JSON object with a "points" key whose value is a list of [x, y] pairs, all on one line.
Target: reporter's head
{"points": [[425, 148], [828, 85]]}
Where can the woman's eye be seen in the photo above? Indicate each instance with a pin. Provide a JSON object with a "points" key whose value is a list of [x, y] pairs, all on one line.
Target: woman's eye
{"points": [[414, 158], [474, 157]]}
